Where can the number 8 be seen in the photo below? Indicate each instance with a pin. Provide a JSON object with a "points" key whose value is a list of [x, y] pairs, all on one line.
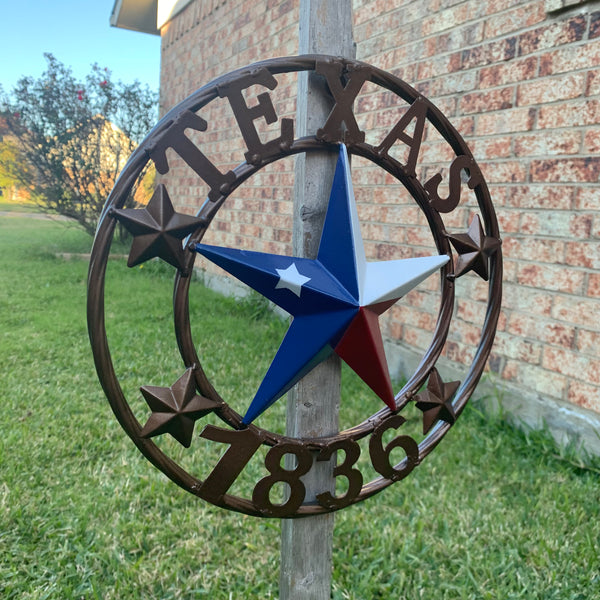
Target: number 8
{"points": [[260, 496]]}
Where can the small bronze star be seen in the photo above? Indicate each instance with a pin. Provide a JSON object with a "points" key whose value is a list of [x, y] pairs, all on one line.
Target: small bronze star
{"points": [[158, 230], [436, 401], [175, 409], [474, 249]]}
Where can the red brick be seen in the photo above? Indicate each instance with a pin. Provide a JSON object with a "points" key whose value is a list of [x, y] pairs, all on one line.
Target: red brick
{"points": [[576, 311], [458, 37], [553, 35], [534, 249], [470, 311], [542, 196], [561, 142], [580, 225], [571, 58], [467, 333], [511, 371], [451, 17], [459, 352], [403, 215], [594, 25], [588, 198], [571, 364], [588, 342], [509, 270], [583, 254], [432, 152], [413, 316], [514, 20], [489, 53], [516, 348], [591, 141], [593, 83], [593, 289], [586, 396], [364, 13], [552, 278], [492, 147], [509, 221], [418, 237], [453, 83], [543, 381], [571, 114], [510, 171], [486, 101], [566, 170], [527, 300], [418, 338], [552, 89], [514, 71], [465, 126], [506, 121], [544, 330], [556, 224], [442, 65]]}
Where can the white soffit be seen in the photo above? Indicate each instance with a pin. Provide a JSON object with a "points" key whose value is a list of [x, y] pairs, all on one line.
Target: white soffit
{"points": [[137, 15]]}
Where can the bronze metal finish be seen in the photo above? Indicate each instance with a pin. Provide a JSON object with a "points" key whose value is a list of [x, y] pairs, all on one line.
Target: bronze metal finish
{"points": [[158, 232]]}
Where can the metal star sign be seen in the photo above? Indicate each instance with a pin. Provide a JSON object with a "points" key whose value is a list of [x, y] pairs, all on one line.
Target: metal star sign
{"points": [[335, 299]]}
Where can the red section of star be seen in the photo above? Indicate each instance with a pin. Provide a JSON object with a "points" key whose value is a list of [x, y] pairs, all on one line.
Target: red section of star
{"points": [[361, 347]]}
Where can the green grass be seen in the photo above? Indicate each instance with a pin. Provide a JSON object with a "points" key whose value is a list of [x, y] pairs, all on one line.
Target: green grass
{"points": [[492, 513], [18, 207]]}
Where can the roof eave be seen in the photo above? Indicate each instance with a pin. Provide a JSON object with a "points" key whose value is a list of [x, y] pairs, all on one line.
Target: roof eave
{"points": [[136, 15]]}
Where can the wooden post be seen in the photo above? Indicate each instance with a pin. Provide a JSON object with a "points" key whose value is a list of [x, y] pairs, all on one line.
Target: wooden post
{"points": [[313, 405]]}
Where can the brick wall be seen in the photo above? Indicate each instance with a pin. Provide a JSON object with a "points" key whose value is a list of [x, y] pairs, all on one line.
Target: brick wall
{"points": [[520, 81]]}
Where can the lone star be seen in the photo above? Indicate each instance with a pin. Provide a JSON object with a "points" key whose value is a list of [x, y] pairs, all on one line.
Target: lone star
{"points": [[291, 280], [158, 230], [175, 409], [436, 401], [341, 298]]}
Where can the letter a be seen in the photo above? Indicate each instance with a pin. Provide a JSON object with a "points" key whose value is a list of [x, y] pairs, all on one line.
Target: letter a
{"points": [[418, 111]]}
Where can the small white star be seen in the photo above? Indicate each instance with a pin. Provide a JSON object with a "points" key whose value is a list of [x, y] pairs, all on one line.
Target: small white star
{"points": [[290, 279]]}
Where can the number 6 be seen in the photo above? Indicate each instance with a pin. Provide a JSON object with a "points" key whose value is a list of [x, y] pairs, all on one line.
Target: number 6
{"points": [[380, 456]]}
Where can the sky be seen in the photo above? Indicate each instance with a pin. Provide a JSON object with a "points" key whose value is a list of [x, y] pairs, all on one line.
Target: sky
{"points": [[78, 33]]}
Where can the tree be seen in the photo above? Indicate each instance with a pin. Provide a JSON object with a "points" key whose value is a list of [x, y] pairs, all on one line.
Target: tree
{"points": [[10, 166], [70, 139]]}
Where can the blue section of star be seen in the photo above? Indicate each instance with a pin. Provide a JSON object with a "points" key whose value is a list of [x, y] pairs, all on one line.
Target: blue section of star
{"points": [[323, 291]]}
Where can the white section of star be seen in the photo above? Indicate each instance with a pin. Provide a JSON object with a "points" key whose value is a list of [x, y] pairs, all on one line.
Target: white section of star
{"points": [[392, 279], [385, 280], [291, 279]]}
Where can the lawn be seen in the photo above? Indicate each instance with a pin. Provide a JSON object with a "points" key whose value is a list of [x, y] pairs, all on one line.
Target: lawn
{"points": [[16, 207], [491, 514]]}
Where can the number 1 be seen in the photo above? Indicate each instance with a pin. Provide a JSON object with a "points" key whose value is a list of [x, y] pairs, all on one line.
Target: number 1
{"points": [[242, 446]]}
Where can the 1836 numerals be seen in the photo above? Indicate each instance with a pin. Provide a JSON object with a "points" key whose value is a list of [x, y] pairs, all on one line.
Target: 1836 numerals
{"points": [[243, 444]]}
